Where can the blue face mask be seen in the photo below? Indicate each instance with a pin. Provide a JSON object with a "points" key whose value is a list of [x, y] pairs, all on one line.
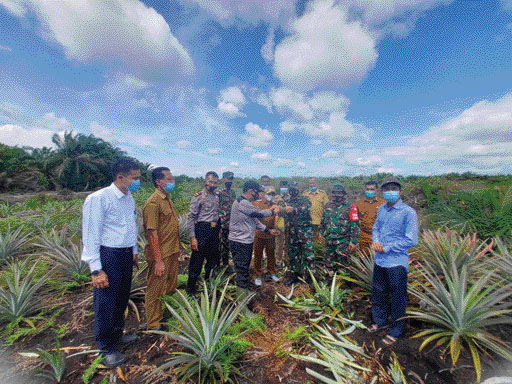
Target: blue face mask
{"points": [[370, 194], [169, 187], [284, 191], [134, 186], [391, 196], [313, 189]]}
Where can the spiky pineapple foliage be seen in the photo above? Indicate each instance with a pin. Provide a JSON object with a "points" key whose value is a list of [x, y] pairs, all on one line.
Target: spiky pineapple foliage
{"points": [[13, 243]]}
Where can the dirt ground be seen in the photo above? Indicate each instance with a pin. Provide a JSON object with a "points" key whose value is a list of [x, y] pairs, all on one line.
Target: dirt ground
{"points": [[265, 362]]}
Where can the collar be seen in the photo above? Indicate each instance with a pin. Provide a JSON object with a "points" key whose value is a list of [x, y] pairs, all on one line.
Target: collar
{"points": [[117, 191], [160, 194], [371, 201], [398, 205]]}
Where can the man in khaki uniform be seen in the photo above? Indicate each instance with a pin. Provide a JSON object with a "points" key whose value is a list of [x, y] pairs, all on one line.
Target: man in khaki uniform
{"points": [[319, 200], [163, 247], [367, 208]]}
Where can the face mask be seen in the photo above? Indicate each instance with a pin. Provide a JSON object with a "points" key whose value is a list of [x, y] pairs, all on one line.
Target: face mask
{"points": [[228, 185], [269, 197], [212, 189], [294, 192], [313, 189], [284, 191], [391, 196], [169, 187], [134, 186], [370, 194]]}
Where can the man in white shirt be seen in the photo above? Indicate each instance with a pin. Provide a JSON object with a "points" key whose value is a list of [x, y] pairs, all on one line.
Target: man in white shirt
{"points": [[109, 234]]}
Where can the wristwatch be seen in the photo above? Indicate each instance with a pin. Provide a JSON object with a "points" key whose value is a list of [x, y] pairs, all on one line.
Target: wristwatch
{"points": [[96, 272]]}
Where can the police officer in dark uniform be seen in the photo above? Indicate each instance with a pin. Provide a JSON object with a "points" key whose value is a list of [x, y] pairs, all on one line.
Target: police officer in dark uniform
{"points": [[203, 227]]}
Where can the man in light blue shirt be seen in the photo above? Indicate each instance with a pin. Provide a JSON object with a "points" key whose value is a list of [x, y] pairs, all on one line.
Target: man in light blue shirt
{"points": [[109, 235], [395, 231]]}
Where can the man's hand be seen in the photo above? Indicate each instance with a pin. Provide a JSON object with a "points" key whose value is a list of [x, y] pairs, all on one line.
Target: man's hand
{"points": [[274, 232], [352, 247], [193, 244], [159, 268], [289, 209], [100, 281], [136, 259], [377, 247]]}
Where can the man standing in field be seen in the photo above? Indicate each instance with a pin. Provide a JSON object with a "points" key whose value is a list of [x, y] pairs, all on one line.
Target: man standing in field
{"points": [[340, 229], [109, 235], [319, 200], [367, 209], [203, 229], [226, 199], [281, 223], [163, 246], [300, 248], [395, 231]]}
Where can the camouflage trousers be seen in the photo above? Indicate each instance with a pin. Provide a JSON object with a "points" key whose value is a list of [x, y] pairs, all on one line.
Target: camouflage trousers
{"points": [[336, 254], [300, 249], [224, 247]]}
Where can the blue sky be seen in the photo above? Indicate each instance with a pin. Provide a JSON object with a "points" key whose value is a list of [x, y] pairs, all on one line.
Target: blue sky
{"points": [[278, 87]]}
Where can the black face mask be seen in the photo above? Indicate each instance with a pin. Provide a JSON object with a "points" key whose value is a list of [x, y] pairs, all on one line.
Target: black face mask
{"points": [[228, 185], [294, 192], [211, 189]]}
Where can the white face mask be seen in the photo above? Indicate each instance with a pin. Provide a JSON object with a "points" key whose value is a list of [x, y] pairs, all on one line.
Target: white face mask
{"points": [[269, 197]]}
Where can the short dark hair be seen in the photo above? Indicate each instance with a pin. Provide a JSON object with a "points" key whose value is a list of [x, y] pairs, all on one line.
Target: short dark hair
{"points": [[265, 177], [251, 184], [372, 182], [123, 167], [158, 174], [211, 173]]}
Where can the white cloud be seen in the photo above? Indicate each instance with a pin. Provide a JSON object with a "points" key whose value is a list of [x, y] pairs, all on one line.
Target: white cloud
{"points": [[507, 4], [124, 33], [182, 144], [301, 164], [316, 142], [145, 141], [329, 154], [230, 102], [101, 131], [261, 156], [53, 123], [214, 150], [15, 135], [267, 50], [256, 136], [5, 48], [325, 50], [14, 7], [248, 149], [284, 163], [478, 139]]}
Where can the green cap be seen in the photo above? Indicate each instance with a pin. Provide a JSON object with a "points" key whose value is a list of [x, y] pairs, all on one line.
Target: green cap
{"points": [[338, 187], [228, 175]]}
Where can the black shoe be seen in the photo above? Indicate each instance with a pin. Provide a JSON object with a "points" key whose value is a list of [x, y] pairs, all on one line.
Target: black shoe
{"points": [[113, 359], [127, 339], [294, 278]]}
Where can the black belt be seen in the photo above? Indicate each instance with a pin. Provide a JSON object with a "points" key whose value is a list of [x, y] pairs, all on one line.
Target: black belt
{"points": [[124, 249]]}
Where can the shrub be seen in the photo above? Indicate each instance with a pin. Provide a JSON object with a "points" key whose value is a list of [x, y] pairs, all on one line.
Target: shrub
{"points": [[12, 244]]}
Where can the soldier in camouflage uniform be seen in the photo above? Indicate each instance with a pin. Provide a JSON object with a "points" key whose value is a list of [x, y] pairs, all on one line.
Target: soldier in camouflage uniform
{"points": [[282, 226], [226, 199], [340, 229], [300, 247]]}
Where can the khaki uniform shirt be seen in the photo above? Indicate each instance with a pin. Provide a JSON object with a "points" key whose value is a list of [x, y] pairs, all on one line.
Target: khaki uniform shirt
{"points": [[159, 213], [205, 207], [367, 210], [269, 222], [319, 200]]}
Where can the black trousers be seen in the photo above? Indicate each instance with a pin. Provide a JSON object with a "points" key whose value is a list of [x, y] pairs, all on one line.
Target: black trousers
{"points": [[110, 303], [208, 248], [242, 254]]}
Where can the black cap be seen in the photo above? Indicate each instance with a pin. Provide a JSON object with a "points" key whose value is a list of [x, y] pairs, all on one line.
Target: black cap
{"points": [[391, 180], [228, 175], [252, 185]]}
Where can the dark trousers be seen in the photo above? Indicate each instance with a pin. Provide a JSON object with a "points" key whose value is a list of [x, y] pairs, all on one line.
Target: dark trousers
{"points": [[389, 298], [110, 303], [208, 248], [242, 254]]}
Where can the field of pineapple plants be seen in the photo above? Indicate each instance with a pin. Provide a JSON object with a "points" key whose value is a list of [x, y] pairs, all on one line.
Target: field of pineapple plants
{"points": [[459, 323]]}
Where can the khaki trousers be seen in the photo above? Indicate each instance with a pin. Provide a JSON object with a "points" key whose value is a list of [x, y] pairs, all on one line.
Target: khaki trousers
{"points": [[268, 245], [158, 286]]}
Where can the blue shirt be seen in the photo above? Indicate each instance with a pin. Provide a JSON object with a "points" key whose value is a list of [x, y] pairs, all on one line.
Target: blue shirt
{"points": [[109, 219], [396, 228]]}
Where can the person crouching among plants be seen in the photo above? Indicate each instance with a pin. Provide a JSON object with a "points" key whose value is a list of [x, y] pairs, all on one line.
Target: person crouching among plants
{"points": [[395, 231]]}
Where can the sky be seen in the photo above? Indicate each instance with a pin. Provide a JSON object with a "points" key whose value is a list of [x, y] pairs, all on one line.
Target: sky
{"points": [[278, 87]]}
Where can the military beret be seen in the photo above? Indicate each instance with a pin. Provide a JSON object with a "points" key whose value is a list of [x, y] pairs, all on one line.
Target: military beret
{"points": [[338, 187], [252, 185], [228, 175], [283, 183], [293, 185]]}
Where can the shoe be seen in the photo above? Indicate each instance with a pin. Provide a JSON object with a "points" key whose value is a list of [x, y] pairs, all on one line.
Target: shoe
{"points": [[257, 281], [274, 278], [127, 339], [113, 359], [389, 340], [294, 278]]}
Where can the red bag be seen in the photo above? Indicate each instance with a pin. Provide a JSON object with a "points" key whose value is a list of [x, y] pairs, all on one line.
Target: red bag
{"points": [[353, 216]]}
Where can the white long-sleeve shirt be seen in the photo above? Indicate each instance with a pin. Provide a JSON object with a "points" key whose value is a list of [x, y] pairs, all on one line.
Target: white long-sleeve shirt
{"points": [[109, 219]]}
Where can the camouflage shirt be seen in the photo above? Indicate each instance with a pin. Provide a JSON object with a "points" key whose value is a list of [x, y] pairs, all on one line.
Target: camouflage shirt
{"points": [[226, 200], [336, 224], [301, 217]]}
